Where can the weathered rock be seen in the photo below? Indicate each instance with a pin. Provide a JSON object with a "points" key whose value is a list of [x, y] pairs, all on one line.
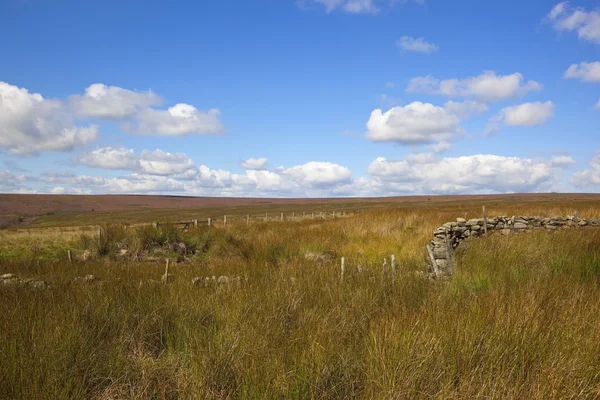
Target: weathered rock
{"points": [[314, 256], [38, 284], [461, 221], [474, 221], [197, 281], [85, 279], [505, 231], [499, 225], [475, 228], [582, 222], [520, 225], [440, 253], [86, 255]]}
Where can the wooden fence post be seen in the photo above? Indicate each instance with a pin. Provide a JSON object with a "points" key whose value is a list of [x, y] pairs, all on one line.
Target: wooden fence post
{"points": [[383, 270], [436, 271], [69, 255], [313, 215], [266, 217], [155, 225], [393, 264], [484, 222], [281, 217], [99, 234], [293, 215], [247, 219], [196, 223], [343, 267], [225, 220], [209, 222]]}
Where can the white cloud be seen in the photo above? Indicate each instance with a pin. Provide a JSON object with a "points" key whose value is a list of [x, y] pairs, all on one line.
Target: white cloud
{"points": [[319, 174], [415, 123], [562, 161], [482, 173], [390, 85], [159, 162], [30, 124], [465, 109], [181, 119], [440, 147], [254, 163], [585, 23], [487, 87], [590, 177], [349, 6], [112, 102], [58, 190], [416, 45], [527, 114], [586, 71], [109, 158]]}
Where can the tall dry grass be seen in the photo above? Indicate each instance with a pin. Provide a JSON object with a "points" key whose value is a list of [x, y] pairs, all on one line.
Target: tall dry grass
{"points": [[520, 319]]}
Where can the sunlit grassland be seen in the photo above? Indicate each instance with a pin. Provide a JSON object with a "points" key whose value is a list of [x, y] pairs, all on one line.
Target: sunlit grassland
{"points": [[519, 320]]}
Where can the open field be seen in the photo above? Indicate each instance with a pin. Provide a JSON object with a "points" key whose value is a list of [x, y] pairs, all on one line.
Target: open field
{"points": [[519, 320]]}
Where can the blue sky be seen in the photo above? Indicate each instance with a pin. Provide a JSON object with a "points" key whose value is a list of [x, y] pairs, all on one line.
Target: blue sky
{"points": [[299, 98]]}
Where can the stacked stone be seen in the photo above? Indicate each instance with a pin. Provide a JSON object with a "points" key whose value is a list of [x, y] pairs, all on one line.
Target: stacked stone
{"points": [[447, 237]]}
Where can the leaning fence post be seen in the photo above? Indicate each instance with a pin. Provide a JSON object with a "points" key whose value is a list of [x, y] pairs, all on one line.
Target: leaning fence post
{"points": [[393, 264], [484, 222], [343, 267], [436, 271], [69, 255]]}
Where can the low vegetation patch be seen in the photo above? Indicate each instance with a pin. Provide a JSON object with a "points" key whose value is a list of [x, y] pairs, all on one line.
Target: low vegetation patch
{"points": [[518, 320]]}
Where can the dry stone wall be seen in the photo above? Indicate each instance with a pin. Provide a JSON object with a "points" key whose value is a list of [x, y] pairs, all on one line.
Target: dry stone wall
{"points": [[446, 238]]}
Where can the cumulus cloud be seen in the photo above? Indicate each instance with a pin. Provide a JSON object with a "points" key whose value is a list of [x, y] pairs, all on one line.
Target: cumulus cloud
{"points": [[440, 147], [586, 71], [589, 178], [30, 124], [415, 123], [586, 23], [111, 102], [156, 162], [416, 45], [527, 114], [482, 173], [465, 109], [318, 174], [349, 6], [181, 119], [109, 158], [562, 161], [254, 163], [486, 87], [160, 162]]}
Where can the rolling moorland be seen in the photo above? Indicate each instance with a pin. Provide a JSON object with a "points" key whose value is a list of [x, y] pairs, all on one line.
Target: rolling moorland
{"points": [[520, 319]]}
